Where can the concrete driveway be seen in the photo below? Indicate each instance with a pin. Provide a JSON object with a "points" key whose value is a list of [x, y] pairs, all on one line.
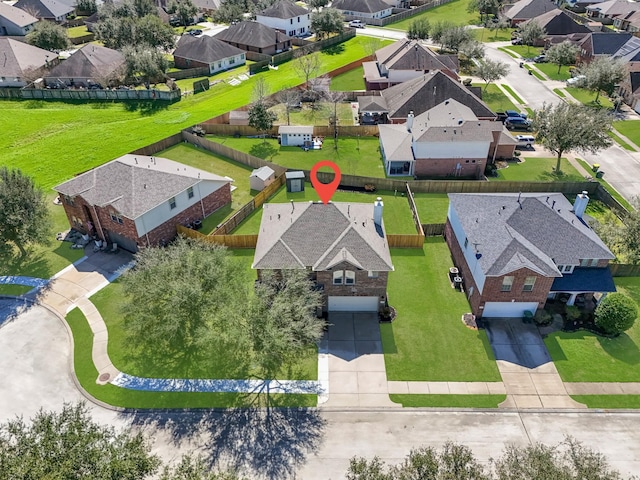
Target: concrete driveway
{"points": [[517, 342]]}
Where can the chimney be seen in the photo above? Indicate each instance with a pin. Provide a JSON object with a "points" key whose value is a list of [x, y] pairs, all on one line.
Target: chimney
{"points": [[580, 205], [410, 121], [377, 211]]}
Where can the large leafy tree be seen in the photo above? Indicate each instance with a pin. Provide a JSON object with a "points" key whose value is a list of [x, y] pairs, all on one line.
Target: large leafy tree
{"points": [[491, 70], [184, 9], [565, 127], [144, 63], [261, 118], [484, 8], [616, 313], [48, 36], [70, 444], [418, 29], [327, 21], [453, 37], [317, 4], [564, 53], [531, 32], [24, 218], [603, 74]]}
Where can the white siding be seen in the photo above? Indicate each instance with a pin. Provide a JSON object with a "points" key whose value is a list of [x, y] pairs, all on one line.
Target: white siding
{"points": [[460, 150], [469, 252], [301, 24], [227, 63], [363, 15]]}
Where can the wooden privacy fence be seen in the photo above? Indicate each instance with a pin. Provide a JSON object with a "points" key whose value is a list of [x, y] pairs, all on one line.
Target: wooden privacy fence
{"points": [[624, 270], [405, 241], [414, 211], [433, 229], [610, 201], [189, 73], [231, 241]]}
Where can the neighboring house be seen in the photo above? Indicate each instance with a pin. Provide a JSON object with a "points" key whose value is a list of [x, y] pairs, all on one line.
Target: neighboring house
{"points": [[22, 63], [558, 26], [601, 44], [14, 21], [629, 22], [52, 10], [514, 251], [447, 140], [287, 17], [295, 136], [255, 37], [608, 11], [342, 245], [261, 177], [91, 65], [363, 9], [207, 7], [404, 60], [527, 9], [419, 95], [137, 201], [205, 51]]}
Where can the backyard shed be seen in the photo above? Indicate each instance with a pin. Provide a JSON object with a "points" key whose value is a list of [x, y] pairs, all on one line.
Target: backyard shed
{"points": [[261, 177], [295, 181], [295, 136]]}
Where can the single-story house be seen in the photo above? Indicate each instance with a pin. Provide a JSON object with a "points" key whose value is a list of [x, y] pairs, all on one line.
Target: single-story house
{"points": [[447, 140], [629, 22], [343, 246], [91, 65], [515, 251], [557, 26], [136, 200], [419, 95], [207, 7], [608, 11], [255, 37], [601, 44], [205, 51], [261, 178], [294, 181], [295, 135], [287, 17], [524, 10], [405, 60], [364, 10], [22, 63], [14, 21], [52, 10]]}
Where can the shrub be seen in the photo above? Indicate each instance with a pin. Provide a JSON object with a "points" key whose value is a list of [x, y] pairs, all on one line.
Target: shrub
{"points": [[616, 313], [572, 312], [542, 317]]}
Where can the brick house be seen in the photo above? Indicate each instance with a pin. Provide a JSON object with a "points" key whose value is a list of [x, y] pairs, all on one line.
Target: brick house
{"points": [[342, 245], [137, 200], [524, 10], [446, 140], [209, 52], [255, 37], [515, 251]]}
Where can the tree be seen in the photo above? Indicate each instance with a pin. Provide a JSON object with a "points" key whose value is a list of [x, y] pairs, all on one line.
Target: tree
{"points": [[24, 217], [326, 22], [185, 11], [491, 70], [195, 468], [290, 98], [260, 90], [317, 4], [307, 66], [603, 74], [231, 11], [48, 36], [484, 8], [371, 46], [438, 29], [531, 32], [569, 126], [70, 444], [175, 295], [334, 98], [561, 54], [418, 29], [144, 63], [261, 118], [616, 313], [501, 24], [87, 6], [454, 37], [472, 49], [631, 234]]}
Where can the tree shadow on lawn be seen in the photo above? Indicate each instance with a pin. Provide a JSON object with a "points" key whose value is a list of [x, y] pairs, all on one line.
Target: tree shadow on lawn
{"points": [[145, 107], [264, 150], [622, 348], [553, 176], [270, 442], [334, 49]]}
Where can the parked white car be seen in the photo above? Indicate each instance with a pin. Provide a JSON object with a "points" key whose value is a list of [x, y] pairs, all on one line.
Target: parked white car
{"points": [[525, 140], [576, 81], [356, 24]]}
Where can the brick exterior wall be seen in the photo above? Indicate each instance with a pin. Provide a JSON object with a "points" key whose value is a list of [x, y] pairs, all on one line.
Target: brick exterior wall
{"points": [[185, 63], [493, 285], [443, 167]]}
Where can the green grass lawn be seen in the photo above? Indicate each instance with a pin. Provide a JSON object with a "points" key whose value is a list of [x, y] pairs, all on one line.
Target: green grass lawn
{"points": [[14, 290], [509, 52], [354, 156], [53, 141], [614, 193], [397, 216], [534, 169], [495, 98], [620, 141], [609, 401], [535, 73], [427, 340], [630, 129], [432, 207], [86, 374], [314, 114], [351, 80], [586, 357], [551, 71], [454, 12], [559, 92], [79, 31], [588, 97], [512, 93], [525, 51], [486, 35], [453, 401]]}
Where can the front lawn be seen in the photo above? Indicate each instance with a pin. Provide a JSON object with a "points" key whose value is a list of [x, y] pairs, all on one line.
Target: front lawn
{"points": [[397, 215], [432, 207], [348, 81], [525, 51], [354, 156], [486, 35], [630, 129], [451, 401], [455, 12], [76, 32], [534, 169], [495, 98], [427, 340], [586, 357], [588, 97], [551, 71]]}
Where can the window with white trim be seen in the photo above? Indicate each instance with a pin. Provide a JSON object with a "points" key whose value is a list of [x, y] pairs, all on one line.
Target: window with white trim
{"points": [[344, 277], [373, 274], [338, 277], [589, 262], [172, 203], [115, 217], [507, 283], [190, 192], [529, 283]]}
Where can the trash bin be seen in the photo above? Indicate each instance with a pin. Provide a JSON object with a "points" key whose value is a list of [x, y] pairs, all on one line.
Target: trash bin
{"points": [[595, 167], [599, 174]]}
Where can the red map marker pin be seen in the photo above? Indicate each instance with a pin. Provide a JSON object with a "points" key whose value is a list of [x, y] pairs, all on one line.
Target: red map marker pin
{"points": [[325, 190]]}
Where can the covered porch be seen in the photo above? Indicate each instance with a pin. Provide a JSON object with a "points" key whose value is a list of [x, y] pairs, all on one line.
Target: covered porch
{"points": [[584, 288]]}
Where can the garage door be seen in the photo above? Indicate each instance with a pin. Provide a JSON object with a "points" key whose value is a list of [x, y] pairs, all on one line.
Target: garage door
{"points": [[123, 242], [353, 304], [508, 309]]}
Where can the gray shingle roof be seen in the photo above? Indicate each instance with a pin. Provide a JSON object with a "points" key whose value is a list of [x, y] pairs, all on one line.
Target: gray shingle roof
{"points": [[284, 9], [16, 16], [89, 62], [252, 34], [204, 49], [535, 233], [134, 184], [18, 57], [364, 6], [396, 142], [301, 235], [529, 9], [44, 8], [412, 55], [557, 22], [613, 8]]}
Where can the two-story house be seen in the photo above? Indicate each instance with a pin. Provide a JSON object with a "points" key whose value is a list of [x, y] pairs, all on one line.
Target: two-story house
{"points": [[515, 251], [287, 17]]}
